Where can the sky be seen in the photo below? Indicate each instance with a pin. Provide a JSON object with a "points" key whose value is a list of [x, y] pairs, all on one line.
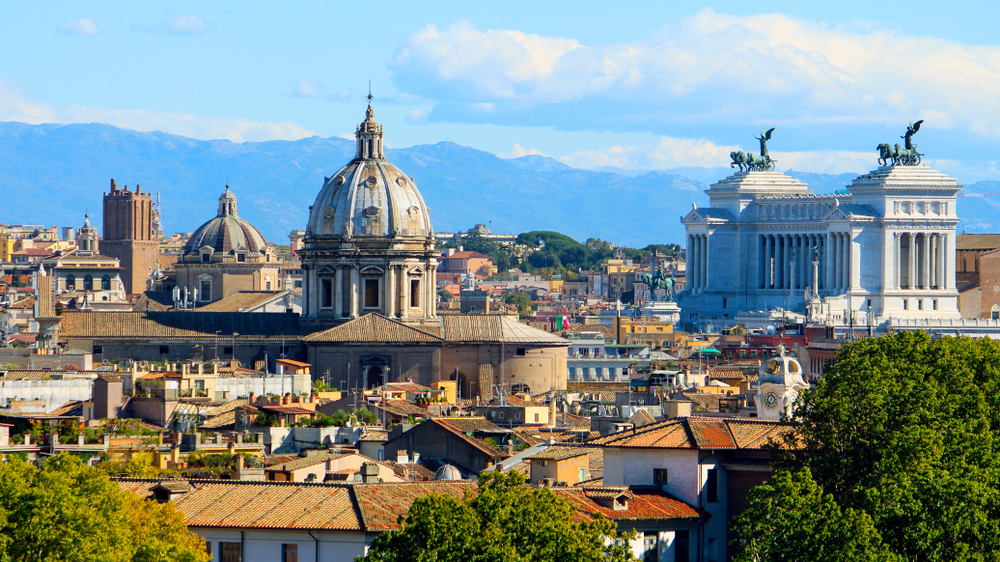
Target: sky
{"points": [[637, 85]]}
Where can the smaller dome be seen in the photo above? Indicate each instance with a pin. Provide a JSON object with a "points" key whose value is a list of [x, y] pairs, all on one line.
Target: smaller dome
{"points": [[447, 472], [227, 231]]}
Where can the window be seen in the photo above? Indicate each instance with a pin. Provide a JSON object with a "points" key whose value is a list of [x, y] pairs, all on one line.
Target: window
{"points": [[920, 304], [164, 349], [206, 258], [208, 548], [71, 282], [724, 302], [106, 283], [906, 304], [205, 292], [934, 304], [326, 293], [536, 417], [371, 293], [98, 349], [241, 258], [650, 548], [583, 472], [289, 553], [659, 477], [267, 286], [298, 284], [415, 293], [682, 545], [995, 312], [88, 282], [230, 552], [712, 485], [520, 352], [501, 415], [199, 384], [227, 350]]}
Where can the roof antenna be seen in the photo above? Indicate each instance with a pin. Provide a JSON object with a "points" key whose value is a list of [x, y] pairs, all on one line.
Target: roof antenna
{"points": [[369, 93]]}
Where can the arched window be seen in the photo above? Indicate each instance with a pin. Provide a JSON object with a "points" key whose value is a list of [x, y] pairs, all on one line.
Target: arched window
{"points": [[995, 312], [88, 282], [106, 283], [70, 282]]}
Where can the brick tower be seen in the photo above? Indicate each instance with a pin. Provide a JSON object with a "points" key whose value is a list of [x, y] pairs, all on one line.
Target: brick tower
{"points": [[129, 235]]}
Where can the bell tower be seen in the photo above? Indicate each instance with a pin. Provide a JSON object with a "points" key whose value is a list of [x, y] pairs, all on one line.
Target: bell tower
{"points": [[130, 236]]}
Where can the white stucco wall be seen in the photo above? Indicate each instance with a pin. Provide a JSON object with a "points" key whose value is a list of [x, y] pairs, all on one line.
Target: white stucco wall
{"points": [[264, 545], [634, 467]]}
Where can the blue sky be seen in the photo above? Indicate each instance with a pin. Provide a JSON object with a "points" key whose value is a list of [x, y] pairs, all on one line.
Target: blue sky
{"points": [[637, 85]]}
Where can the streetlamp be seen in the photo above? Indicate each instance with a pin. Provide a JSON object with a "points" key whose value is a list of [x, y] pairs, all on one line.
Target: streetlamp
{"points": [[217, 332]]}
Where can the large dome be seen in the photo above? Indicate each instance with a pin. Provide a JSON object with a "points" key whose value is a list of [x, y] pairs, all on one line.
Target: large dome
{"points": [[227, 231], [369, 196]]}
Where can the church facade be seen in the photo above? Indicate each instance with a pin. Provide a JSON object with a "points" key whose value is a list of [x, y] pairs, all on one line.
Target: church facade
{"points": [[881, 249]]}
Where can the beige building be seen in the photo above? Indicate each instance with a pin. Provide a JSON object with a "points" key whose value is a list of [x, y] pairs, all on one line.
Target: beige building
{"points": [[130, 234], [560, 464], [226, 255]]}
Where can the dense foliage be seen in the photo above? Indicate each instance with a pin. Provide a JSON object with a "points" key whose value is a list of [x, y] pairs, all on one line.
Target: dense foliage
{"points": [[519, 300], [504, 521], [70, 512], [901, 432], [554, 253]]}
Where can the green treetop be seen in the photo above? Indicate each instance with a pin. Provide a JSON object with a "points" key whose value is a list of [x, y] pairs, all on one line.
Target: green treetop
{"points": [[505, 521], [903, 430]]}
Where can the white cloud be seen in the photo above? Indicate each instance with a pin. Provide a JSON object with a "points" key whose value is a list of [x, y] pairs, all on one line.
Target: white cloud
{"points": [[519, 151], [416, 117], [343, 95], [85, 26], [670, 152], [180, 25], [16, 105], [306, 88], [711, 67]]}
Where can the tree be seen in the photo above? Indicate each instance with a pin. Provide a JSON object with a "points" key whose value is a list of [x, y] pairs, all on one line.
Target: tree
{"points": [[445, 295], [519, 300], [504, 521], [790, 518], [905, 430], [70, 512]]}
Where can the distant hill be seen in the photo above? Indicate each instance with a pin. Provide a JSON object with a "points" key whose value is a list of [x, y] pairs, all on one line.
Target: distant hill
{"points": [[52, 174]]}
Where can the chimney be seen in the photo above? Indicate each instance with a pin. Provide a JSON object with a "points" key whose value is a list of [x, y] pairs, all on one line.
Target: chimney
{"points": [[402, 457], [251, 398], [416, 457], [287, 399]]}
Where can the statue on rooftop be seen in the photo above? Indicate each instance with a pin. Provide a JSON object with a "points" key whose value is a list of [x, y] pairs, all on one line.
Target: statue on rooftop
{"points": [[657, 281], [906, 155], [751, 162]]}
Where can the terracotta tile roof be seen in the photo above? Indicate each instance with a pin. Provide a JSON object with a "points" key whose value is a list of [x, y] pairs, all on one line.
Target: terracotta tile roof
{"points": [[222, 420], [286, 409], [23, 304], [645, 503], [698, 433], [374, 436], [193, 325], [977, 241], [467, 254], [262, 505], [304, 462], [237, 302], [466, 427], [494, 328], [558, 453], [407, 386], [30, 375], [413, 471], [708, 401], [398, 408], [374, 327], [380, 505]]}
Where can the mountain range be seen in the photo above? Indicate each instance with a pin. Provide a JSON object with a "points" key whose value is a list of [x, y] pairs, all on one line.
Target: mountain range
{"points": [[53, 174]]}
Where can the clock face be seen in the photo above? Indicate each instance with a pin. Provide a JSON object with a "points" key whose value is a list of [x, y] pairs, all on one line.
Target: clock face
{"points": [[771, 400]]}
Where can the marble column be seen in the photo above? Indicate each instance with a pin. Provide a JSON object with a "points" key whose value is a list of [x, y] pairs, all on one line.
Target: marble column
{"points": [[830, 253], [912, 266], [338, 292], [708, 257], [761, 255], [689, 266], [925, 266], [939, 246], [390, 291], [355, 289]]}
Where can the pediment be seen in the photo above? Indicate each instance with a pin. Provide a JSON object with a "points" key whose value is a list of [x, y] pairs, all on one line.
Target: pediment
{"points": [[836, 214], [694, 217]]}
